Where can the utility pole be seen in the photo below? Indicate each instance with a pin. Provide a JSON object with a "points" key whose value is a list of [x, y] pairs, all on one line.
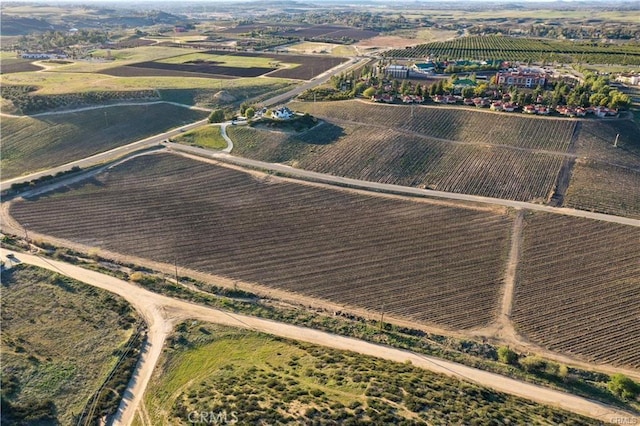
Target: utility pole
{"points": [[175, 263], [615, 143], [382, 317]]}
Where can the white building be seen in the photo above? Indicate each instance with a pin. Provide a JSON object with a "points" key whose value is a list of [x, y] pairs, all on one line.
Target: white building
{"points": [[283, 113]]}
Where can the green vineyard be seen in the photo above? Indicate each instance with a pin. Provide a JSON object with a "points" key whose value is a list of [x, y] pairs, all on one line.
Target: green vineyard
{"points": [[523, 49]]}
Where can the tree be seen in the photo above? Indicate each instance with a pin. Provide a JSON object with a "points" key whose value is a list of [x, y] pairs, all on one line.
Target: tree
{"points": [[467, 92], [480, 89], [533, 364], [404, 87], [623, 386], [216, 116], [249, 112], [369, 92], [506, 355]]}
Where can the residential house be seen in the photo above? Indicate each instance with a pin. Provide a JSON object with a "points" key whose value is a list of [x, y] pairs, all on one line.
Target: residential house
{"points": [[283, 113]]}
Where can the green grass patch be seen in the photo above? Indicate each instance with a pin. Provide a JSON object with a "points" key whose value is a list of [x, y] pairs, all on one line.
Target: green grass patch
{"points": [[203, 137], [60, 341], [30, 144], [252, 377]]}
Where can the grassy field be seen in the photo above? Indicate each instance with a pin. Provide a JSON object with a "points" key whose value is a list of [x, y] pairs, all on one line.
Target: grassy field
{"points": [[59, 341], [255, 378], [58, 82], [425, 262], [204, 137], [31, 144]]}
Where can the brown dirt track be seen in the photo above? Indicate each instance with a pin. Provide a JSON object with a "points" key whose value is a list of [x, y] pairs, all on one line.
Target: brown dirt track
{"points": [[424, 262]]}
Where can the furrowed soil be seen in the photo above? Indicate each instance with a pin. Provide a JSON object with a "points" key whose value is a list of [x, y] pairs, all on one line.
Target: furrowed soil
{"points": [[425, 262]]}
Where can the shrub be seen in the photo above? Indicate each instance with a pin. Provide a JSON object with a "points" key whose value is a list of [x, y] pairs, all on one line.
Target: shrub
{"points": [[250, 112], [216, 116], [623, 386], [506, 355], [369, 92], [533, 364]]}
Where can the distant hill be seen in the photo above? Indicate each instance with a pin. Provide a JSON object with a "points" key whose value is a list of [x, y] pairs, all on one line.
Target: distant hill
{"points": [[13, 25], [17, 25]]}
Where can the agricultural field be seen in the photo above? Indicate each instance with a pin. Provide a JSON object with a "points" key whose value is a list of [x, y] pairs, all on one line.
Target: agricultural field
{"points": [[252, 378], [203, 137], [425, 262], [30, 144], [605, 188], [382, 154], [454, 124], [522, 49], [235, 64], [310, 47], [13, 65], [596, 139], [577, 288], [60, 341]]}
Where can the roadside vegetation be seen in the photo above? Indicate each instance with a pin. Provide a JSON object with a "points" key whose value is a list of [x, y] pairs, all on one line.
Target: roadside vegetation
{"points": [[61, 339], [254, 377]]}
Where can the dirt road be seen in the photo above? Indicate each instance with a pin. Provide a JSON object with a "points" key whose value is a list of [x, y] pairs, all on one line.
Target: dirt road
{"points": [[162, 313]]}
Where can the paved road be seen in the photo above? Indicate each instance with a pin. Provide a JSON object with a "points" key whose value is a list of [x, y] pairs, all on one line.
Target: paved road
{"points": [[396, 189], [162, 312]]}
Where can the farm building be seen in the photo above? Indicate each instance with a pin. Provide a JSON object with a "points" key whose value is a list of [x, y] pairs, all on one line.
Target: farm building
{"points": [[283, 113], [522, 77], [397, 71]]}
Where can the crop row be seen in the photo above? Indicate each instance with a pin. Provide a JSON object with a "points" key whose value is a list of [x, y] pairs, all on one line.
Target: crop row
{"points": [[596, 141], [521, 49], [388, 156], [577, 288], [605, 188], [425, 262], [453, 124]]}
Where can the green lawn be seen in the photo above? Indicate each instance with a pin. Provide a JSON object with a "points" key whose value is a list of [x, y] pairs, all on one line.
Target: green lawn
{"points": [[204, 137], [252, 377], [60, 339]]}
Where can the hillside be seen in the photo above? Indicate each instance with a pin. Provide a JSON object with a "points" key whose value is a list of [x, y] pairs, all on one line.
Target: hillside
{"points": [[60, 341], [287, 382], [459, 150], [30, 144]]}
